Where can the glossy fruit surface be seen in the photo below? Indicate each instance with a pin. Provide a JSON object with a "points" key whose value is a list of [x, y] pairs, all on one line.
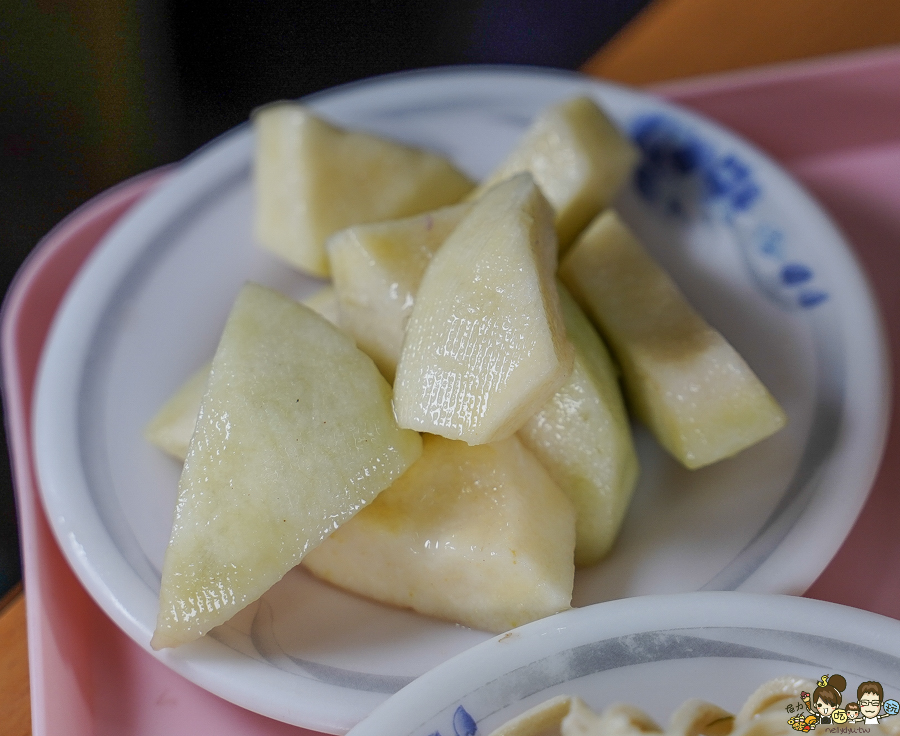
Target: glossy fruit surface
{"points": [[582, 435], [480, 535], [579, 159], [377, 269], [313, 179], [485, 346], [683, 379], [295, 435]]}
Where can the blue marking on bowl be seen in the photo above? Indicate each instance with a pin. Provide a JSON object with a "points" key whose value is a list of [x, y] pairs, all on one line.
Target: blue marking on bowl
{"points": [[463, 723]]}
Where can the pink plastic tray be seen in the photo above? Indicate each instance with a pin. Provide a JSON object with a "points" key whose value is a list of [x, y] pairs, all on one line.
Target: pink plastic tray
{"points": [[833, 123]]}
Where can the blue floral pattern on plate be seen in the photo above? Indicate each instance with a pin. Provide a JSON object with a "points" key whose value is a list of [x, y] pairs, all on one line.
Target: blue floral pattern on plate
{"points": [[463, 724], [686, 178]]}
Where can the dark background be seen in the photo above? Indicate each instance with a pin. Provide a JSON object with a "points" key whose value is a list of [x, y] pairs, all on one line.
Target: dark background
{"points": [[95, 91]]}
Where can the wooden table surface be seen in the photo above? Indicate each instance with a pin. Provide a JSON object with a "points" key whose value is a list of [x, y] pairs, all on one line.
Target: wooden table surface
{"points": [[15, 710], [670, 39]]}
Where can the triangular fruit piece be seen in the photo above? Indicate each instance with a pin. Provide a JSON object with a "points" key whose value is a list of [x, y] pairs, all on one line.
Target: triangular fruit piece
{"points": [[377, 268], [578, 157], [486, 346], [295, 435], [171, 427], [692, 389], [313, 179], [478, 535], [583, 437]]}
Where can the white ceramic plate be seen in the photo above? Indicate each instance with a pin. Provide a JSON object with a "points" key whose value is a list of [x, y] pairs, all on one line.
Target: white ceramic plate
{"points": [[751, 250], [653, 653]]}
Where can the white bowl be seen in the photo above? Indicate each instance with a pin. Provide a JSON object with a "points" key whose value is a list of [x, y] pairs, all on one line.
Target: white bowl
{"points": [[753, 252], [654, 652]]}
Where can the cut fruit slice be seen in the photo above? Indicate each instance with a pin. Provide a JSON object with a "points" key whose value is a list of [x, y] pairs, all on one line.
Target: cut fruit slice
{"points": [[377, 269], [313, 179], [295, 435], [485, 346], [477, 535], [172, 426], [683, 379], [325, 302], [578, 157], [582, 436]]}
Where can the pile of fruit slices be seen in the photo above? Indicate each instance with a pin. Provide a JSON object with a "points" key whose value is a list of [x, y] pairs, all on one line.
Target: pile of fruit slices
{"points": [[296, 446]]}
